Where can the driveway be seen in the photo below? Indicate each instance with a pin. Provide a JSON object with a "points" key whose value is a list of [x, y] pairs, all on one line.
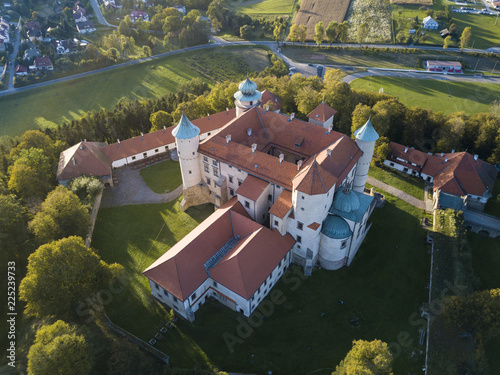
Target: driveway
{"points": [[131, 189]]}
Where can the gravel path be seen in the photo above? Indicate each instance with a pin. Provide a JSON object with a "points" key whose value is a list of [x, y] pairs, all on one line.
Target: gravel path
{"points": [[132, 189], [397, 193]]}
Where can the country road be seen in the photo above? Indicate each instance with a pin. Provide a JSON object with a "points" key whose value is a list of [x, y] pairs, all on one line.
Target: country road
{"points": [[305, 69]]}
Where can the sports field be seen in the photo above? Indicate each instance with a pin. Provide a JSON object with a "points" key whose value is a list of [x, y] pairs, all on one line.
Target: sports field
{"points": [[54, 104], [265, 8], [443, 96]]}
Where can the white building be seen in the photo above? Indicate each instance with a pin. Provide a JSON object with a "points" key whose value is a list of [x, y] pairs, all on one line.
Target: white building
{"points": [[430, 24], [284, 192], [447, 67]]}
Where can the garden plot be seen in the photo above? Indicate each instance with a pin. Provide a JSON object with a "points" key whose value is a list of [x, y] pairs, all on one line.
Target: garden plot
{"points": [[376, 13]]}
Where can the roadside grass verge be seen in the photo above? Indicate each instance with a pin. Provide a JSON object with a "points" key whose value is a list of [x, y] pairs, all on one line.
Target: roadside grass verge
{"points": [[410, 185], [162, 177], [60, 102], [446, 96], [383, 289]]}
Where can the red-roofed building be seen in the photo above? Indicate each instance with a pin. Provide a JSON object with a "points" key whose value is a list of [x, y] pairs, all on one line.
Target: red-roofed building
{"points": [[458, 174], [42, 63], [138, 15], [322, 115]]}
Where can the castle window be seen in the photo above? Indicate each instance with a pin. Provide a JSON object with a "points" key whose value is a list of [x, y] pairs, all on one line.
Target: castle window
{"points": [[392, 164], [299, 240], [165, 293], [214, 162], [145, 154], [207, 168], [231, 191], [302, 197], [205, 159], [231, 179], [193, 297], [215, 284], [239, 182], [175, 299], [156, 150], [343, 244], [276, 223], [247, 204], [216, 171], [300, 225], [133, 157], [193, 153], [270, 198], [190, 172], [157, 286], [209, 181], [209, 133]]}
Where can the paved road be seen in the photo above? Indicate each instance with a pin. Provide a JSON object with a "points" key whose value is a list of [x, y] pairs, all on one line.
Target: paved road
{"points": [[13, 55], [397, 193], [100, 17]]}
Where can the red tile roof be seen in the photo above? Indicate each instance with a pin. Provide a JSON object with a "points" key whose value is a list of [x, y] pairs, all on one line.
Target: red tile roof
{"points": [[282, 205], [84, 158], [243, 269], [314, 226], [322, 112], [163, 137], [252, 187], [268, 98]]}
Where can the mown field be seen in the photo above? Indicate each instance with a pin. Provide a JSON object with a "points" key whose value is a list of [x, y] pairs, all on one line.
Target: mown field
{"points": [[54, 104], [443, 96], [313, 11], [412, 2], [265, 8]]}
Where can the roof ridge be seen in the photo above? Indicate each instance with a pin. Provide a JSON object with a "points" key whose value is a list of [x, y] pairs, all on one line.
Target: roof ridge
{"points": [[262, 124]]}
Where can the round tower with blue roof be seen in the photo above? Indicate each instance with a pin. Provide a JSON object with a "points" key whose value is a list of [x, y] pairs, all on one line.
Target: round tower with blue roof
{"points": [[247, 96], [365, 139], [187, 140]]}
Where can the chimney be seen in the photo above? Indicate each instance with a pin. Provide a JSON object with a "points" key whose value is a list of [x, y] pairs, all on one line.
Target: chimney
{"points": [[267, 107], [254, 147], [330, 128], [249, 132], [228, 138], [329, 152], [442, 154], [208, 115], [227, 109], [142, 134], [282, 156], [292, 115], [85, 140], [73, 160], [453, 151], [299, 164], [164, 127], [446, 160], [475, 157], [118, 140], [406, 149], [81, 147]]}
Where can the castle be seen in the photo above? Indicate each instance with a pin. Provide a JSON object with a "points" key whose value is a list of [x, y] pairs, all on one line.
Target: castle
{"points": [[286, 191]]}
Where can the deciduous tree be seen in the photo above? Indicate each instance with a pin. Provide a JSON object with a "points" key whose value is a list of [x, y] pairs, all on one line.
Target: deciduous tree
{"points": [[58, 349], [159, 119], [332, 32], [366, 357], [293, 36], [319, 33], [62, 274], [302, 33], [447, 42], [363, 30], [465, 37]]}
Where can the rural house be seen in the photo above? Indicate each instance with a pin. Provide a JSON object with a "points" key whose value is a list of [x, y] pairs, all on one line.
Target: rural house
{"points": [[430, 24]]}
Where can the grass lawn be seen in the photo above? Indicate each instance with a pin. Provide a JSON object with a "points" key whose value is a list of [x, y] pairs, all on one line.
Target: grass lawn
{"points": [[162, 177], [486, 263], [468, 97], [411, 185], [264, 8], [384, 288], [57, 103]]}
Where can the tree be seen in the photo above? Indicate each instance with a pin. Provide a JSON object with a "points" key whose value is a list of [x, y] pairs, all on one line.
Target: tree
{"points": [[360, 116], [363, 30], [447, 42], [465, 38], [13, 224], [61, 215], [343, 28], [366, 357], [146, 51], [332, 32], [62, 274], [245, 31], [319, 33], [160, 119], [86, 188], [58, 349], [278, 32], [307, 99], [293, 36], [31, 174], [382, 151], [302, 33]]}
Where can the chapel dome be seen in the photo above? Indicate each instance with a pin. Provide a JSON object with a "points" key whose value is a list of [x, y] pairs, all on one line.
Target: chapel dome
{"points": [[346, 201], [336, 227], [247, 87], [248, 91]]}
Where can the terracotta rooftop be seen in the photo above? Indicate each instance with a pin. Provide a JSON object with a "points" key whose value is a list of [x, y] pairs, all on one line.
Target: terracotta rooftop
{"points": [[163, 137], [314, 179], [243, 269], [252, 187], [268, 98], [322, 112], [84, 158], [282, 205], [314, 226]]}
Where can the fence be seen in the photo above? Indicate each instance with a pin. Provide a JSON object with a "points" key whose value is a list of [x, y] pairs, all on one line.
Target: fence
{"points": [[142, 344], [93, 217]]}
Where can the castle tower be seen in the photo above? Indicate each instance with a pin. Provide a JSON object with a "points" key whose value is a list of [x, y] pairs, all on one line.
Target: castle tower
{"points": [[247, 97], [365, 139], [187, 140]]}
